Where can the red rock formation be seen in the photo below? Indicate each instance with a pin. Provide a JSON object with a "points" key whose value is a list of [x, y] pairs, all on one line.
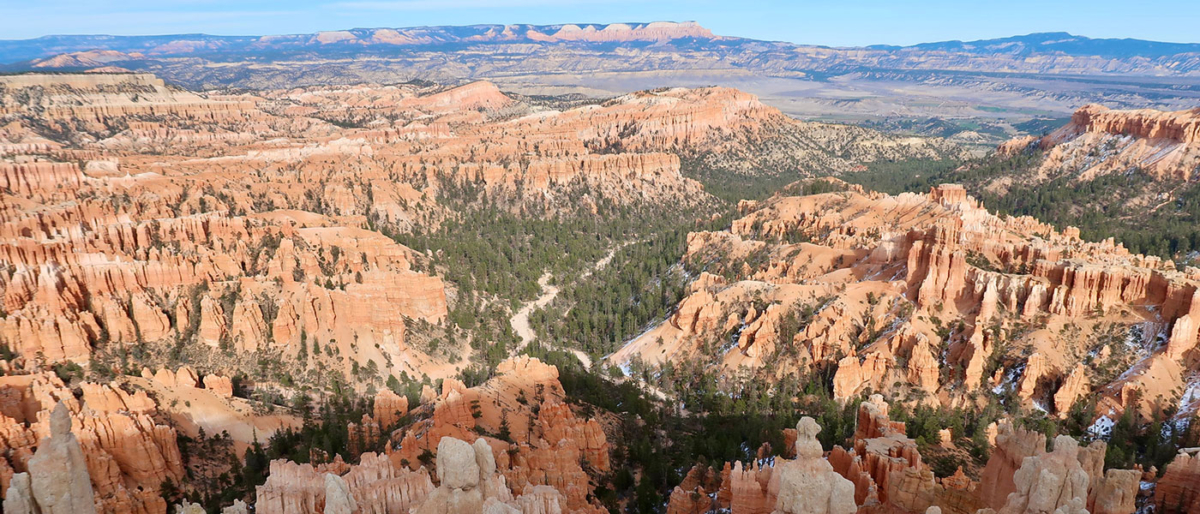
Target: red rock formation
{"points": [[1100, 141], [1179, 489], [550, 445], [1051, 482], [219, 385], [1013, 445], [695, 494], [375, 484], [873, 420], [180, 191], [1075, 386], [1114, 493], [747, 489], [883, 472], [911, 293], [882, 453], [129, 456], [809, 484], [389, 408], [1182, 126]]}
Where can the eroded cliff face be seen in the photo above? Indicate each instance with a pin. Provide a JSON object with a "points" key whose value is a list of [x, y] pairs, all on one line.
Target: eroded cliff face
{"points": [[250, 236], [1100, 141], [541, 457], [1179, 489], [929, 298], [538, 459], [137, 213], [236, 221], [881, 471], [133, 237], [125, 451]]}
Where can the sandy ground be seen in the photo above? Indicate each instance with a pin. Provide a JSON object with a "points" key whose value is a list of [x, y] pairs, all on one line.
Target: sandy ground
{"points": [[193, 408]]}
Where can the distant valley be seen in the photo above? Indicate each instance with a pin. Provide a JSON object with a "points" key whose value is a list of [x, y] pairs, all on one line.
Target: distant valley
{"points": [[979, 93]]}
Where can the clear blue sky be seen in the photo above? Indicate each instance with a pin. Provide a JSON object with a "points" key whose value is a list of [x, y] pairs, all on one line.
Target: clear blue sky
{"points": [[831, 22]]}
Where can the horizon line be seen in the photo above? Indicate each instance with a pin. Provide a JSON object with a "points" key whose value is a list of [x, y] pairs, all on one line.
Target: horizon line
{"points": [[584, 24]]}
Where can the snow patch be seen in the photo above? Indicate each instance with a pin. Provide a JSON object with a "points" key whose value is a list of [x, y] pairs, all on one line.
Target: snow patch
{"points": [[1102, 427]]}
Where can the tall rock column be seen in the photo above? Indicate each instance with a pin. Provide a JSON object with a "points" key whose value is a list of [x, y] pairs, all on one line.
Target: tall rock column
{"points": [[1178, 491], [469, 482], [58, 481], [1013, 445], [1054, 482], [809, 485], [19, 497], [337, 496]]}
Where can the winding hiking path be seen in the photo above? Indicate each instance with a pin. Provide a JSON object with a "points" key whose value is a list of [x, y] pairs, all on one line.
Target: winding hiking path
{"points": [[520, 320]]}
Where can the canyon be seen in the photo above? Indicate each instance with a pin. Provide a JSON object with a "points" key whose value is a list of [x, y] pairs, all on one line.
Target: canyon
{"points": [[239, 221], [231, 300], [187, 268]]}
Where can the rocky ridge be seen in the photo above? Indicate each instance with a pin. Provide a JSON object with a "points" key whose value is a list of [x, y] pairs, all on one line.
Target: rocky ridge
{"points": [[538, 459], [1100, 141], [883, 472], [929, 298], [1035, 53]]}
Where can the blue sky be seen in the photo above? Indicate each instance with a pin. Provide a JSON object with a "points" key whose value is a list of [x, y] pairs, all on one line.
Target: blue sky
{"points": [[836, 22]]}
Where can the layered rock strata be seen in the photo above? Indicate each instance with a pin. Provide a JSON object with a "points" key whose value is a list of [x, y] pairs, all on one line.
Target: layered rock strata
{"points": [[929, 298], [1101, 141]]}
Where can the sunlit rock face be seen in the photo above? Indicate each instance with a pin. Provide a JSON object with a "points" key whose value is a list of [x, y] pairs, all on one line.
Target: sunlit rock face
{"points": [[1100, 141], [544, 469], [882, 471], [926, 297], [103, 453]]}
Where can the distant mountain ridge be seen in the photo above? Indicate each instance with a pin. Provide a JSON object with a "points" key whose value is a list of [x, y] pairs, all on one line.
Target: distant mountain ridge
{"points": [[1061, 42], [14, 51], [182, 44], [1005, 80]]}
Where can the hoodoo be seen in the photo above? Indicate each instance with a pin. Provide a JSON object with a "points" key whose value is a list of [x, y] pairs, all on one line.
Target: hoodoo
{"points": [[584, 268]]}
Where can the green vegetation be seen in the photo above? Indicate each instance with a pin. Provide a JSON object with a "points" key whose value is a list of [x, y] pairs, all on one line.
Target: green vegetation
{"points": [[217, 476], [495, 246], [941, 127], [641, 284], [1041, 126], [714, 418], [915, 175], [731, 187], [1101, 208]]}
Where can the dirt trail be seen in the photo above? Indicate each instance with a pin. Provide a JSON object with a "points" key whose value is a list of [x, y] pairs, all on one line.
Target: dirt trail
{"points": [[520, 320]]}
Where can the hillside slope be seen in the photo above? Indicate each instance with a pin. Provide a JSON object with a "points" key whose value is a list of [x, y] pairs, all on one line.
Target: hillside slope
{"points": [[931, 299], [1128, 174]]}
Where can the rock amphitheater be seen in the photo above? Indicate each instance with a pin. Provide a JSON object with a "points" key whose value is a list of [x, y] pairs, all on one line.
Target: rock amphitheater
{"points": [[174, 242]]}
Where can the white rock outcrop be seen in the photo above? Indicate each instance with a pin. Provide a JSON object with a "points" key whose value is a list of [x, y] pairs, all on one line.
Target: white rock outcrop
{"points": [[338, 499], [58, 481], [809, 485]]}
